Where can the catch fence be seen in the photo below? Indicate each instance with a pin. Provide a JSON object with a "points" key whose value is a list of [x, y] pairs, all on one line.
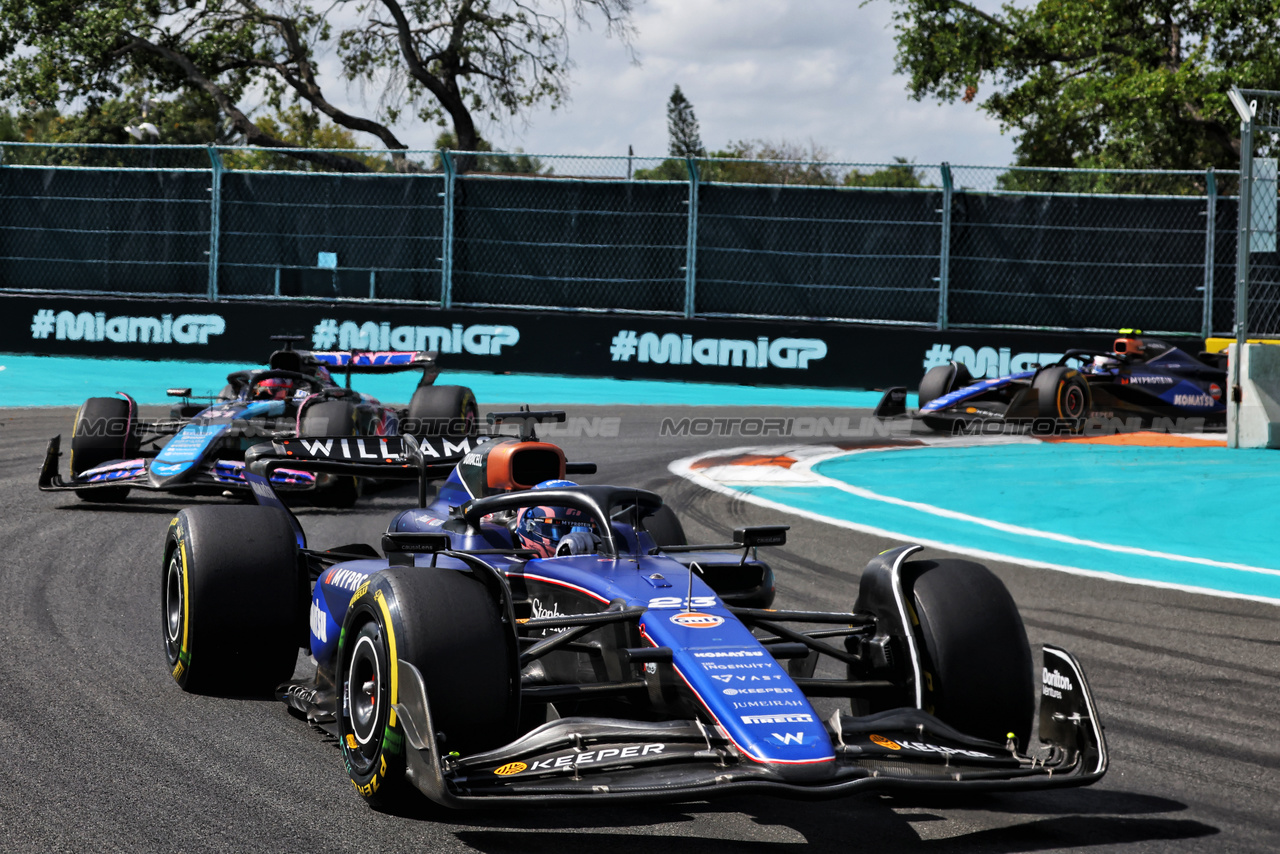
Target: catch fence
{"points": [[899, 243]]}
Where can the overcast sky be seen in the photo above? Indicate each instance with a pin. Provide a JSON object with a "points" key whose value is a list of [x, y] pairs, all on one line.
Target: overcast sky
{"points": [[799, 70]]}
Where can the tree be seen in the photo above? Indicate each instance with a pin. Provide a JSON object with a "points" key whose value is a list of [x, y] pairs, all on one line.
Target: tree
{"points": [[682, 127], [191, 119], [516, 163], [304, 128], [437, 60], [760, 161], [902, 175], [1100, 83], [756, 161]]}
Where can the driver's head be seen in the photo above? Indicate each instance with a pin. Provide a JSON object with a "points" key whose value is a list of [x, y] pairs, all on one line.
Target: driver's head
{"points": [[542, 528], [273, 388]]}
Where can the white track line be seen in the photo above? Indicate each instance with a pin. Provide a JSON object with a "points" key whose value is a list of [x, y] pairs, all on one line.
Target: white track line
{"points": [[684, 468], [1005, 527]]}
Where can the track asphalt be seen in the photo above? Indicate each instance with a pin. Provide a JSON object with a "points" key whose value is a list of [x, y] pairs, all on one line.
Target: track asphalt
{"points": [[105, 753]]}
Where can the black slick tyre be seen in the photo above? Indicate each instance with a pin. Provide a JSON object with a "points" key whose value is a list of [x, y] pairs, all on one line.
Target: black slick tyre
{"points": [[664, 527], [976, 662], [332, 418], [105, 429], [943, 379], [442, 409], [1062, 393], [231, 595], [449, 626]]}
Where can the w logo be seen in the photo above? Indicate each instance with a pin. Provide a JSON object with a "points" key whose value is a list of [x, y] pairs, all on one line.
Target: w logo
{"points": [[789, 737]]}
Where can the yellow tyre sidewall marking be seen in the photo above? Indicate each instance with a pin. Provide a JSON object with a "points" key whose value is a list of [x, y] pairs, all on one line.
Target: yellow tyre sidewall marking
{"points": [[393, 665], [184, 649]]}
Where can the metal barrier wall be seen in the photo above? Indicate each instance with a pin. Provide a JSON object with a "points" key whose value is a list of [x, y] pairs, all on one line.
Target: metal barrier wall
{"points": [[944, 246]]}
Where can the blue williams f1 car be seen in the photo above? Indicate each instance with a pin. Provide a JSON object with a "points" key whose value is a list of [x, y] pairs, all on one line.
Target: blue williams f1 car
{"points": [[1138, 382], [560, 644], [295, 396]]}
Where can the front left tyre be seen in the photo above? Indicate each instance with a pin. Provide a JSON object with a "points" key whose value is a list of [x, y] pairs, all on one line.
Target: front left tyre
{"points": [[1062, 393], [231, 598]]}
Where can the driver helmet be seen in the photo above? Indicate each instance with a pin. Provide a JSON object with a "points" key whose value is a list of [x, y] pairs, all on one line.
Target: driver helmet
{"points": [[273, 388], [542, 528]]}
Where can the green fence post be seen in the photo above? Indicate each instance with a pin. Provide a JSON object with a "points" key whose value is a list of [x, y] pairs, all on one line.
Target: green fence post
{"points": [[1210, 232], [691, 244], [446, 245], [215, 221], [1244, 229], [944, 253]]}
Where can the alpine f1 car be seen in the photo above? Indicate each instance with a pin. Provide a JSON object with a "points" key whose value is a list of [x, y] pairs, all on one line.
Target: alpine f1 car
{"points": [[558, 644], [1138, 381], [295, 396]]}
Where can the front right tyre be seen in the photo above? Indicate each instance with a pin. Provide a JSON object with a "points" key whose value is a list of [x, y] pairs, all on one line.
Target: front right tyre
{"points": [[448, 625], [105, 430], [943, 379], [975, 659]]}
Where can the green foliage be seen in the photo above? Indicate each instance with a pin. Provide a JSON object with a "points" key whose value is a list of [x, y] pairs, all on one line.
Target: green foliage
{"points": [[515, 163], [305, 129], [1097, 83], [441, 60], [667, 170], [763, 162], [903, 175], [191, 119]]}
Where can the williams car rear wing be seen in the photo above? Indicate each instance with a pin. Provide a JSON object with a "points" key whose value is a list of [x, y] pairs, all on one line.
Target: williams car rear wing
{"points": [[382, 457]]}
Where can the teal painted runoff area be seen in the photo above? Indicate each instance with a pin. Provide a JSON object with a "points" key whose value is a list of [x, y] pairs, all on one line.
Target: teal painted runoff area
{"points": [[67, 381], [1196, 505]]}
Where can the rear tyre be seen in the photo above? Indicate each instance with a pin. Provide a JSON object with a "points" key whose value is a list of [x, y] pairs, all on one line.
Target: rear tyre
{"points": [[230, 596], [447, 624], [975, 658], [665, 528], [332, 418], [105, 430], [943, 379], [442, 409], [1063, 393]]}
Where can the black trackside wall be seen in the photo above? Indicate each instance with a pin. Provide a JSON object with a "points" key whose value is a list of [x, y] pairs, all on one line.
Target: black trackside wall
{"points": [[576, 344]]}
